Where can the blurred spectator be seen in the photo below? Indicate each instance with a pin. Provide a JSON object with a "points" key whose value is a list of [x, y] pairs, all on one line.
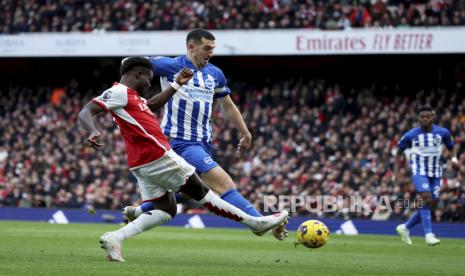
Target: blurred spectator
{"points": [[310, 138], [44, 161], [116, 15]]}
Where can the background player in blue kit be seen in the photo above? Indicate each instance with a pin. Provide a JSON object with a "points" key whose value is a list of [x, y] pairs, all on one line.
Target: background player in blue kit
{"points": [[425, 144], [187, 119]]}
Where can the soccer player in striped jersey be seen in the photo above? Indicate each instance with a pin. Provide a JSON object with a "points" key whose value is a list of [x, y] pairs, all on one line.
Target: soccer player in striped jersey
{"points": [[425, 144], [158, 169], [187, 119]]}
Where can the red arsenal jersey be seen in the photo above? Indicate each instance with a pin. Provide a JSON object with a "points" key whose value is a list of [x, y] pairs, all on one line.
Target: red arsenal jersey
{"points": [[141, 131]]}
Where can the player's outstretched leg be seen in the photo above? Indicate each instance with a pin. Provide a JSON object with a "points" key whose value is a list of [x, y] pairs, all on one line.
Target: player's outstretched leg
{"points": [[195, 188], [165, 210], [216, 179], [220, 182], [232, 196]]}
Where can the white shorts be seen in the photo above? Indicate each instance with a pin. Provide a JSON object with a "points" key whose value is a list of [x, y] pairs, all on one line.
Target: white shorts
{"points": [[166, 174]]}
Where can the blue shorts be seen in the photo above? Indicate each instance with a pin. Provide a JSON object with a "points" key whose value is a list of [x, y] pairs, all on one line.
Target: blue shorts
{"points": [[427, 184], [198, 154]]}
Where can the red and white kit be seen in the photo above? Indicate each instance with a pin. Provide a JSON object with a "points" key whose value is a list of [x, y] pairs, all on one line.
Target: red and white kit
{"points": [[156, 166]]}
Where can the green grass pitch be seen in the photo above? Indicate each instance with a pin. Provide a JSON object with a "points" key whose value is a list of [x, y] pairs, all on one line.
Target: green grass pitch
{"points": [[28, 248]]}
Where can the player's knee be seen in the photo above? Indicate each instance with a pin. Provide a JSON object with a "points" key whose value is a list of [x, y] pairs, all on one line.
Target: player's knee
{"points": [[218, 180], [171, 210], [427, 199], [434, 203], [194, 187], [166, 204], [224, 187]]}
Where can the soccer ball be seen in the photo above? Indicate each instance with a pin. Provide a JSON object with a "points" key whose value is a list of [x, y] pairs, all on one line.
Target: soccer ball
{"points": [[312, 234]]}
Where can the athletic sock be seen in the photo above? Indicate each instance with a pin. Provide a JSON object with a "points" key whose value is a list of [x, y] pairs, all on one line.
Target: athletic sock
{"points": [[146, 221], [413, 220], [426, 219], [236, 199]]}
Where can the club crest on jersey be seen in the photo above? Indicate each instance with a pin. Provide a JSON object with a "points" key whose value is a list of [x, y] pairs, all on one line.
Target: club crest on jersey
{"points": [[425, 185], [209, 83], [106, 96], [208, 160]]}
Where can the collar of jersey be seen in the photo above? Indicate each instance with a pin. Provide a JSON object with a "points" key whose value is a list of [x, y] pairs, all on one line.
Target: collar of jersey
{"points": [[433, 127], [129, 89], [188, 63]]}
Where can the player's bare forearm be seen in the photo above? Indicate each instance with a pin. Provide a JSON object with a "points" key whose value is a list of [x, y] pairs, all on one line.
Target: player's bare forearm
{"points": [[86, 118], [234, 116], [159, 100], [454, 159], [455, 152], [397, 164]]}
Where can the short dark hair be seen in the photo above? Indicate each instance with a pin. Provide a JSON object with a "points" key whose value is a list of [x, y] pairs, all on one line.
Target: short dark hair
{"points": [[424, 108], [197, 35], [130, 62]]}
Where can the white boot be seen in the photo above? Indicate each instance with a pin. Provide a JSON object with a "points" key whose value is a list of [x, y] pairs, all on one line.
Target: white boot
{"points": [[431, 239], [130, 212], [113, 247], [261, 225], [404, 233]]}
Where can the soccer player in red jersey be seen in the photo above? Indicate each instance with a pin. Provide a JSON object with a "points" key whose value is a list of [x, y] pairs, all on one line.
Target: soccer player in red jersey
{"points": [[158, 169]]}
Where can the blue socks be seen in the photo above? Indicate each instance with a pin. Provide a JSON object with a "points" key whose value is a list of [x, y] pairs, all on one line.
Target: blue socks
{"points": [[413, 220], [425, 213], [234, 198], [147, 206], [178, 197]]}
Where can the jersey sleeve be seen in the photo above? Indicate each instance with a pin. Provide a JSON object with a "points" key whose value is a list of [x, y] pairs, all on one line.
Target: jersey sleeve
{"points": [[448, 140], [405, 141], [112, 99], [162, 66], [221, 89]]}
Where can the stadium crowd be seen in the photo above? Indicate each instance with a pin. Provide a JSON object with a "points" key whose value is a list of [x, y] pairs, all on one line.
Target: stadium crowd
{"points": [[136, 15], [310, 138]]}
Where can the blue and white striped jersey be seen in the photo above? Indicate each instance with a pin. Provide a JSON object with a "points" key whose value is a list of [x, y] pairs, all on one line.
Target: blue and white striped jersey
{"points": [[426, 149], [187, 115]]}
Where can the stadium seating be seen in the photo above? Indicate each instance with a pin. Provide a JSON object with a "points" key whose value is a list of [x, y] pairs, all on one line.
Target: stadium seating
{"points": [[310, 137], [132, 15]]}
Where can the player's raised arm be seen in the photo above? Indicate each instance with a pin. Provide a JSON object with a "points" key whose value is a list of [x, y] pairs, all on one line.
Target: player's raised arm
{"points": [[86, 118], [159, 100]]}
